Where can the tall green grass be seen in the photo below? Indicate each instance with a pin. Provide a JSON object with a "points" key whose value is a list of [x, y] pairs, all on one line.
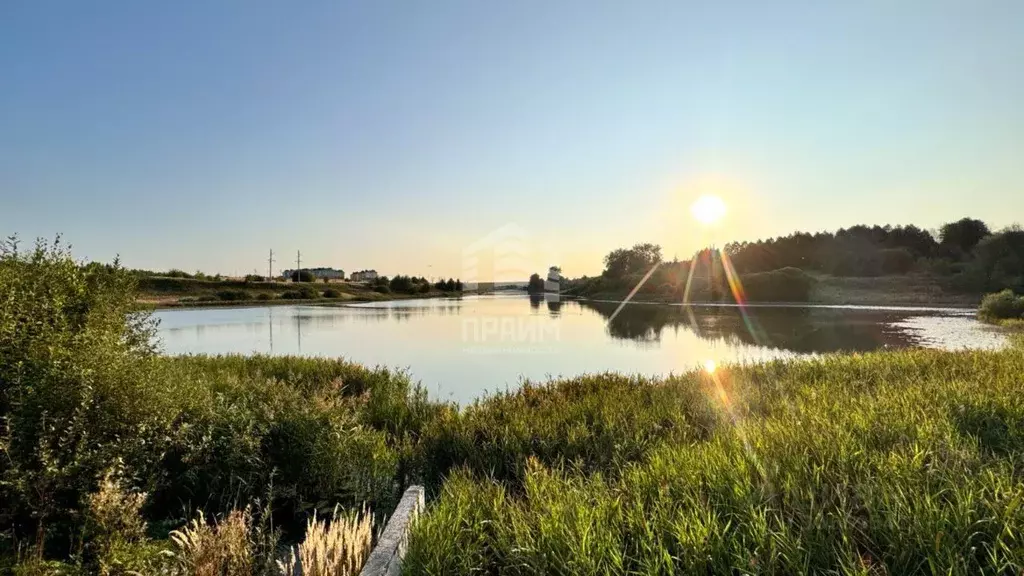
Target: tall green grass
{"points": [[888, 463], [901, 462]]}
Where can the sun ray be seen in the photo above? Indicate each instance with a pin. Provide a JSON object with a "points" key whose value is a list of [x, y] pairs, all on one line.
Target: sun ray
{"points": [[632, 292], [740, 297]]}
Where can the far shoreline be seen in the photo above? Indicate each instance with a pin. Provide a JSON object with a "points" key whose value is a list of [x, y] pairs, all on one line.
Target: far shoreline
{"points": [[962, 307], [254, 303]]}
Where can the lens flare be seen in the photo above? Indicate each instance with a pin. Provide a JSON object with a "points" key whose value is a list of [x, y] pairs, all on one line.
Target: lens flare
{"points": [[740, 296], [719, 380]]}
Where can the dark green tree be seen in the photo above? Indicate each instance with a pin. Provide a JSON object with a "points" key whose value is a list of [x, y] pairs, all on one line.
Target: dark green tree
{"points": [[964, 234], [631, 261], [536, 284]]}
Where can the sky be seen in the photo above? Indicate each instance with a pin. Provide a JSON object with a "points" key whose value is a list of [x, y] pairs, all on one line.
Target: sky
{"points": [[406, 136]]}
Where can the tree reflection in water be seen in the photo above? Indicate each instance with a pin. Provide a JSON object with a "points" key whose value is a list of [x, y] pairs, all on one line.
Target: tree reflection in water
{"points": [[797, 329]]}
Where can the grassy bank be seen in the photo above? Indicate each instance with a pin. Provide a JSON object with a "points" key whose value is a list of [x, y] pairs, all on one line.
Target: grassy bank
{"points": [[116, 460], [886, 463], [173, 292], [912, 289]]}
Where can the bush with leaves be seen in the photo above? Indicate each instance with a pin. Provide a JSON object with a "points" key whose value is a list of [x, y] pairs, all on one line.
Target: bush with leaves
{"points": [[78, 390], [1003, 305], [302, 276], [233, 295], [304, 293]]}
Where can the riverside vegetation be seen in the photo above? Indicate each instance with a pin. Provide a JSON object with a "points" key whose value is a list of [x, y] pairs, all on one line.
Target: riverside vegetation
{"points": [[108, 451], [858, 265], [175, 288], [1004, 308], [116, 460], [886, 463]]}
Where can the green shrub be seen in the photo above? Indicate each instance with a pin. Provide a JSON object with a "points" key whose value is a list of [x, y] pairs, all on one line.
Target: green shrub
{"points": [[264, 296], [233, 295], [1003, 305], [784, 285], [332, 293], [207, 298], [302, 276], [317, 430], [382, 288], [304, 293], [79, 389], [165, 285], [245, 435]]}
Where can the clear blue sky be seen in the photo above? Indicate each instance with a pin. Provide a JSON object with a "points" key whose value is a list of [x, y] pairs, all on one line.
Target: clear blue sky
{"points": [[393, 134]]}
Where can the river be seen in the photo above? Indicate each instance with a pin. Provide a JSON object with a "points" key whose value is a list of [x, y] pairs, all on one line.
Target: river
{"points": [[461, 348]]}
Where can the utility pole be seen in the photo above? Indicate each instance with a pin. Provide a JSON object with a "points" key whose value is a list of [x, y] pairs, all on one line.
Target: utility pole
{"points": [[298, 265], [270, 266]]}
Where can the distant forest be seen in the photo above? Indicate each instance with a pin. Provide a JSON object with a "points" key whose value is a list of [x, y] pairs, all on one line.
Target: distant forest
{"points": [[966, 251], [966, 256]]}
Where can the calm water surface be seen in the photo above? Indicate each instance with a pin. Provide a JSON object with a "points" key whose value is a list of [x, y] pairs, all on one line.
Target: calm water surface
{"points": [[461, 348]]}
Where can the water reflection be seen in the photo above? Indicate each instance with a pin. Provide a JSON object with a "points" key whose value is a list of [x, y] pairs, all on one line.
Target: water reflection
{"points": [[461, 347], [535, 300], [795, 329], [554, 305], [791, 329]]}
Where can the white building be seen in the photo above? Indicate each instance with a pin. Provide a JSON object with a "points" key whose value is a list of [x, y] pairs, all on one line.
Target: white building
{"points": [[364, 276]]}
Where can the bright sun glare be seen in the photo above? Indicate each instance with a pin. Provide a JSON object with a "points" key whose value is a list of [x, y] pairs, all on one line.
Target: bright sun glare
{"points": [[708, 209], [710, 366]]}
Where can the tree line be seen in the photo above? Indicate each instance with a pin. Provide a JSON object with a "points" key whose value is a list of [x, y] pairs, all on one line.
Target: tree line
{"points": [[966, 253], [403, 284]]}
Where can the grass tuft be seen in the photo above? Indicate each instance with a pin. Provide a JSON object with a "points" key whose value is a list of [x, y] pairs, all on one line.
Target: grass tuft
{"points": [[338, 547]]}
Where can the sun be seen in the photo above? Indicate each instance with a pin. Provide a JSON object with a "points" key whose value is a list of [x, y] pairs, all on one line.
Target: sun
{"points": [[708, 209]]}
